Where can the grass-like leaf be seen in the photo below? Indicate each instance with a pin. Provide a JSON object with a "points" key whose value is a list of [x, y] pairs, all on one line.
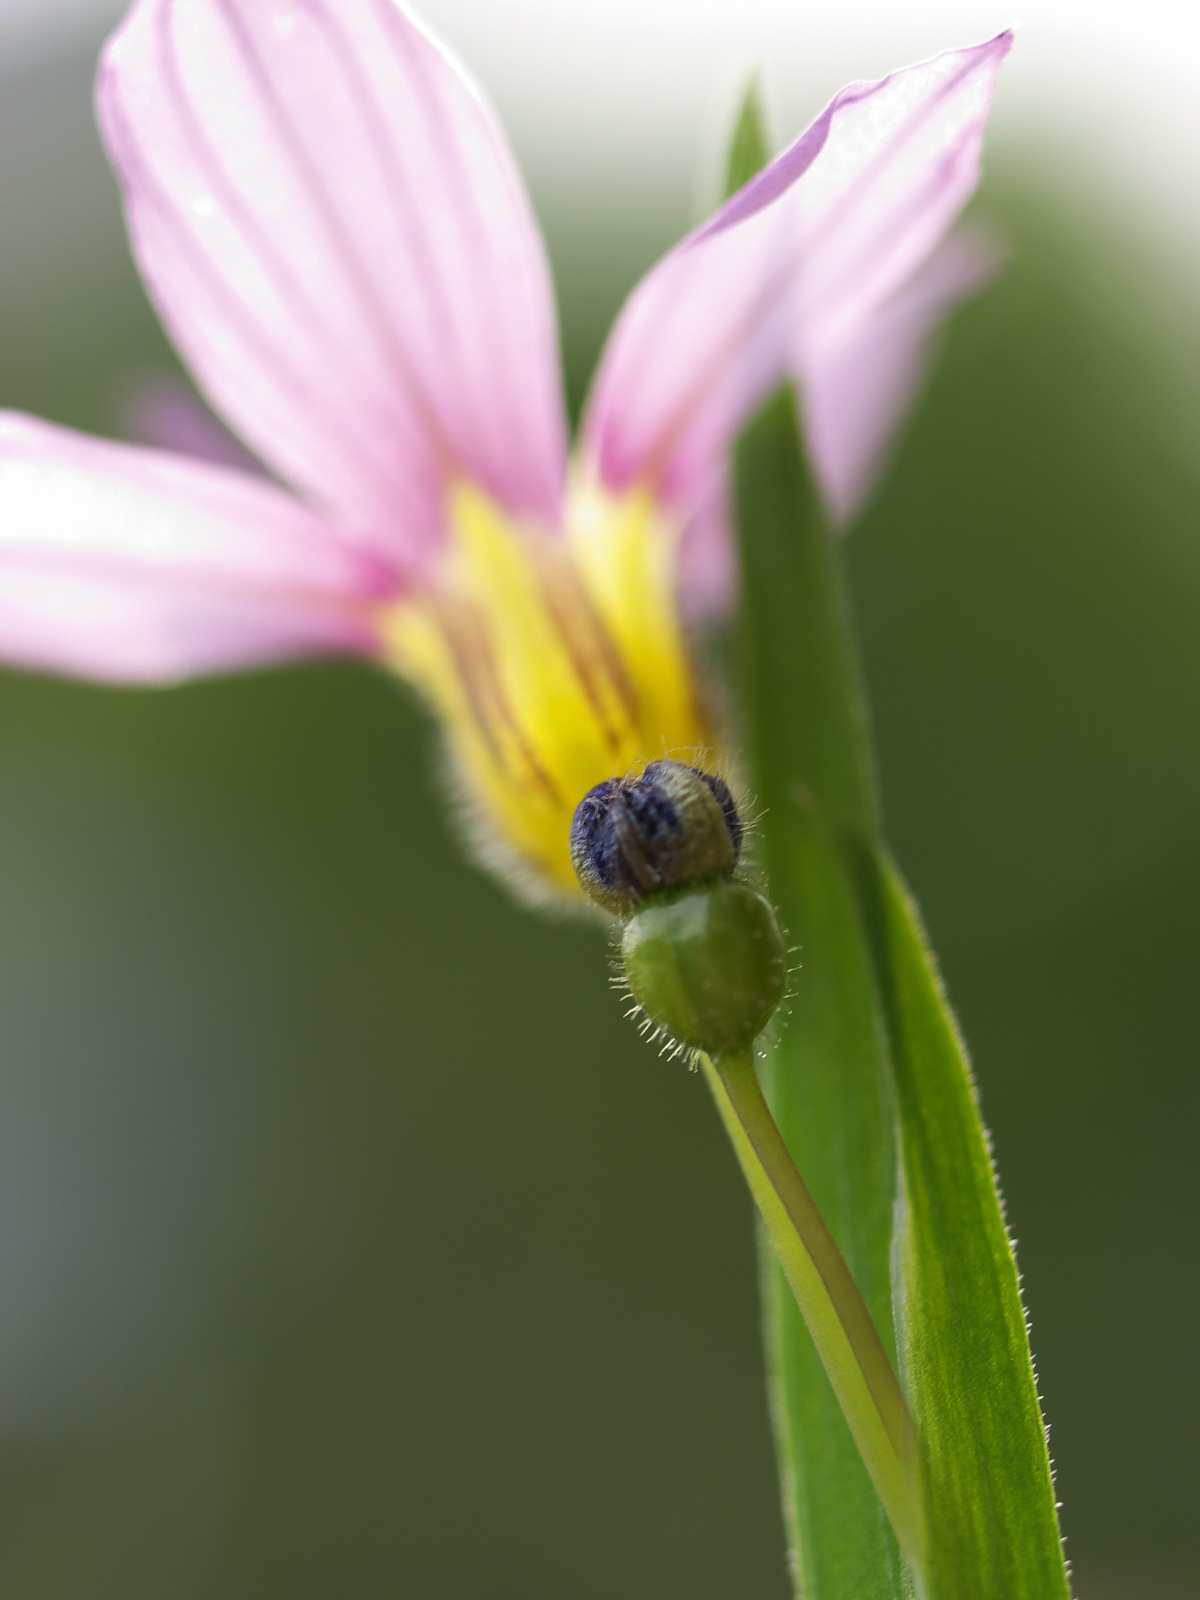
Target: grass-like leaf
{"points": [[993, 1528], [827, 1074], [804, 714], [867, 1062], [749, 148]]}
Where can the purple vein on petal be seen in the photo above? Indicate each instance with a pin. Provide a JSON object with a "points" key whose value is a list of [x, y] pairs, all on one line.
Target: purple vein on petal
{"points": [[653, 461], [776, 286], [911, 127], [326, 210], [218, 288], [463, 214], [415, 236], [401, 30], [367, 293], [147, 194], [307, 314]]}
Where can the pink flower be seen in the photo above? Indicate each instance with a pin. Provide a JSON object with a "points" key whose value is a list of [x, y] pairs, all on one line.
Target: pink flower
{"points": [[330, 223]]}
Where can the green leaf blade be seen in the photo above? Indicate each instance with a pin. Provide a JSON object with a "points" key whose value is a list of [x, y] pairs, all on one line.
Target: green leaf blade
{"points": [[826, 1078], [827, 1074], [869, 1058], [749, 149], [989, 1492], [807, 734]]}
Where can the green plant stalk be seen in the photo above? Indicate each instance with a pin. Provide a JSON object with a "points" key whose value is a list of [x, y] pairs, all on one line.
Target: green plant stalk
{"points": [[839, 1322], [870, 1060], [827, 1074], [873, 1096]]}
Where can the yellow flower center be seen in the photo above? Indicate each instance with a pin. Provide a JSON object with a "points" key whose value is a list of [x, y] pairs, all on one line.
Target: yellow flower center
{"points": [[553, 663]]}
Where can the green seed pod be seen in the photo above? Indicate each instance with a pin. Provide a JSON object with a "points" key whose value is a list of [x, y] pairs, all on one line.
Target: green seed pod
{"points": [[707, 962]]}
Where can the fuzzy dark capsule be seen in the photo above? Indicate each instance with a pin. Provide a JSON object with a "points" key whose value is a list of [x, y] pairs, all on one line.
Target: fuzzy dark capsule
{"points": [[671, 825], [704, 954]]}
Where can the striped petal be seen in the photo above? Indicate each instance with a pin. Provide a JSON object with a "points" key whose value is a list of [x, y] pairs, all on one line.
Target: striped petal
{"points": [[330, 222], [857, 388], [128, 566], [795, 266]]}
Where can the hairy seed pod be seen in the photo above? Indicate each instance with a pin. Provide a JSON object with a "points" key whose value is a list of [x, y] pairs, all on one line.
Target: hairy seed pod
{"points": [[704, 954], [707, 963], [631, 836]]}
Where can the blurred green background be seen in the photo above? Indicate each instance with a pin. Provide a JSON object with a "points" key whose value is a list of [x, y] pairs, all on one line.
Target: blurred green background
{"points": [[351, 1243]]}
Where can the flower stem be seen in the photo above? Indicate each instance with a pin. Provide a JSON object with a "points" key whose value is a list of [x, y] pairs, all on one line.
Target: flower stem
{"points": [[837, 1317]]}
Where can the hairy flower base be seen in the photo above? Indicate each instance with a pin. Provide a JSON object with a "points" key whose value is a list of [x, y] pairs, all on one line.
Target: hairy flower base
{"points": [[553, 663]]}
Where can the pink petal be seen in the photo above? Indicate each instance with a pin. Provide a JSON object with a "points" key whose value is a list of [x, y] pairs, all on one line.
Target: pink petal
{"points": [[162, 412], [128, 566], [857, 390], [794, 265], [708, 576], [328, 217]]}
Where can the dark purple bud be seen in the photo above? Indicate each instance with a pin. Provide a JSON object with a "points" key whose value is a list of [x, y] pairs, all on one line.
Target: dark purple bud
{"points": [[674, 824]]}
